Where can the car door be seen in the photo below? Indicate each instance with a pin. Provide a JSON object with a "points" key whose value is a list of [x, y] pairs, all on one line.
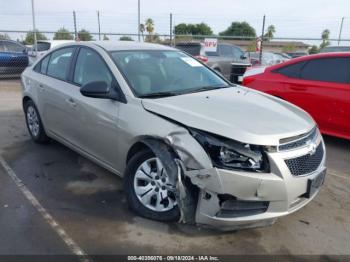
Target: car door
{"points": [[323, 90], [54, 91], [95, 128], [329, 81]]}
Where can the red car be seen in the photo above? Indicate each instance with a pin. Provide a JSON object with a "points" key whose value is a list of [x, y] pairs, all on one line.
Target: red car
{"points": [[319, 84]]}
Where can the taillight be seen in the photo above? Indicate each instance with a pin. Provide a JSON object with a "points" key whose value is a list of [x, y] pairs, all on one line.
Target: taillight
{"points": [[250, 75], [204, 59], [247, 80]]}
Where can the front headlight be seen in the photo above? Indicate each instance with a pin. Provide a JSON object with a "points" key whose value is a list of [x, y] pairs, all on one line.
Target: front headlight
{"points": [[230, 154]]}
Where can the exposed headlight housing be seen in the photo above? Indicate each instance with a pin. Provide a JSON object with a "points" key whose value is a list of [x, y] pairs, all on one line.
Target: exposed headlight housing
{"points": [[230, 154]]}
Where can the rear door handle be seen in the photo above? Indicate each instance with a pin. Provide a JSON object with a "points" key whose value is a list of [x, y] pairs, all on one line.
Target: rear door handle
{"points": [[41, 86], [71, 102]]}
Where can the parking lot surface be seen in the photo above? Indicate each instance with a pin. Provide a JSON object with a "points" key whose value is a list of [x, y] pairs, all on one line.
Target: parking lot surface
{"points": [[88, 203]]}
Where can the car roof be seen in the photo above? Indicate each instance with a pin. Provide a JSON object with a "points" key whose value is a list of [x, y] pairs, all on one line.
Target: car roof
{"points": [[310, 57], [129, 45], [117, 45], [336, 46], [55, 42]]}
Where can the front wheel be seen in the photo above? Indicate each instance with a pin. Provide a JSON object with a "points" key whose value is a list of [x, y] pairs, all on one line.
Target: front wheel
{"points": [[149, 191]]}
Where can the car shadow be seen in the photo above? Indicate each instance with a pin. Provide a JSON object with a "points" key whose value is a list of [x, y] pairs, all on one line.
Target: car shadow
{"points": [[71, 186]]}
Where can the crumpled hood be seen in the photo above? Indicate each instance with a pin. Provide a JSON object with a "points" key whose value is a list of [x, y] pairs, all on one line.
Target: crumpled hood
{"points": [[238, 113]]}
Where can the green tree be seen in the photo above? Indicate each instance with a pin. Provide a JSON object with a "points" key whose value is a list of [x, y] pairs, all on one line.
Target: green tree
{"points": [[181, 29], [4, 37], [142, 30], [84, 35], [271, 30], [105, 38], [242, 29], [149, 25], [63, 34], [325, 38], [125, 38], [314, 50], [29, 39], [193, 29]]}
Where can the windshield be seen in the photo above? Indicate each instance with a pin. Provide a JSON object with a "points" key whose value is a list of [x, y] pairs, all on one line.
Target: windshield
{"points": [[165, 72]]}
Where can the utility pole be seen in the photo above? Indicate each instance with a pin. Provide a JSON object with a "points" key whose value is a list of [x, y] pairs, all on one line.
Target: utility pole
{"points": [[341, 29], [138, 20], [75, 26], [171, 29], [34, 29], [262, 40], [99, 25]]}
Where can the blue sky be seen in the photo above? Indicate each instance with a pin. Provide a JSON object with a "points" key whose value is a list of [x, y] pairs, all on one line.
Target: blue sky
{"points": [[295, 18]]}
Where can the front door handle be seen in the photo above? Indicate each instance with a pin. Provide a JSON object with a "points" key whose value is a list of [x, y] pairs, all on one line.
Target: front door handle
{"points": [[71, 102]]}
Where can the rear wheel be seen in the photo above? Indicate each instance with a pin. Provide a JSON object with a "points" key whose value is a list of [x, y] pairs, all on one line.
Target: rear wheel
{"points": [[34, 124], [149, 191]]}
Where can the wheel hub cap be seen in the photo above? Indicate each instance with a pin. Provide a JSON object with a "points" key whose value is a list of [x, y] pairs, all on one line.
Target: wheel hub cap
{"points": [[152, 186], [33, 121]]}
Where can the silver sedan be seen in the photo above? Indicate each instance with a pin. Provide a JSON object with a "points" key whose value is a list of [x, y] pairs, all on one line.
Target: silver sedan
{"points": [[189, 145]]}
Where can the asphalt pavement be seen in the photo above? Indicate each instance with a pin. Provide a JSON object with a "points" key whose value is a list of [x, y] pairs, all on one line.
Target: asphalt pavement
{"points": [[89, 205]]}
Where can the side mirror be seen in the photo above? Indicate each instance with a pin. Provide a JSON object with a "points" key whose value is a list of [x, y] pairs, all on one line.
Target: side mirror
{"points": [[100, 89], [243, 57], [97, 89]]}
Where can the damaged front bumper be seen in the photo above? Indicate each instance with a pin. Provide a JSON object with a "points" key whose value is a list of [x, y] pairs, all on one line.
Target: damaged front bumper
{"points": [[230, 200]]}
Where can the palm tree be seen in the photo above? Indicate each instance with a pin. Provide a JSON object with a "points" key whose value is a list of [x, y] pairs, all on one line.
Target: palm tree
{"points": [[270, 32], [325, 38], [142, 30], [149, 26]]}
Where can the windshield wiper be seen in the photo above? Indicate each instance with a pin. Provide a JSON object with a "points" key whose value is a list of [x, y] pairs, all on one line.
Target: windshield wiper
{"points": [[159, 95], [205, 88]]}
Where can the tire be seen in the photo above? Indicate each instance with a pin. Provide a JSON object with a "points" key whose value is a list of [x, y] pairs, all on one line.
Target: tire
{"points": [[34, 124], [168, 210]]}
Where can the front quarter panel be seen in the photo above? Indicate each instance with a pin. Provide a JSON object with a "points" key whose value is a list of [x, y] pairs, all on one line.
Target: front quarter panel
{"points": [[136, 124]]}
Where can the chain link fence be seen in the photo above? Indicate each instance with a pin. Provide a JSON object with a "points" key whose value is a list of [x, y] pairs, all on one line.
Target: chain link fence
{"points": [[17, 38]]}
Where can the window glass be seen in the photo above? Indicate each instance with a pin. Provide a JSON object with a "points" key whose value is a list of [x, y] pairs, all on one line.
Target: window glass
{"points": [[44, 64], [160, 71], [211, 53], [90, 68], [327, 70], [237, 53], [14, 47], [42, 46], [225, 50], [59, 63], [37, 67], [292, 71], [192, 49]]}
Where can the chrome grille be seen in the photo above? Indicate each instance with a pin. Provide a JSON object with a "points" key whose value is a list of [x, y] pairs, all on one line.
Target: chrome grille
{"points": [[306, 164], [299, 142]]}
